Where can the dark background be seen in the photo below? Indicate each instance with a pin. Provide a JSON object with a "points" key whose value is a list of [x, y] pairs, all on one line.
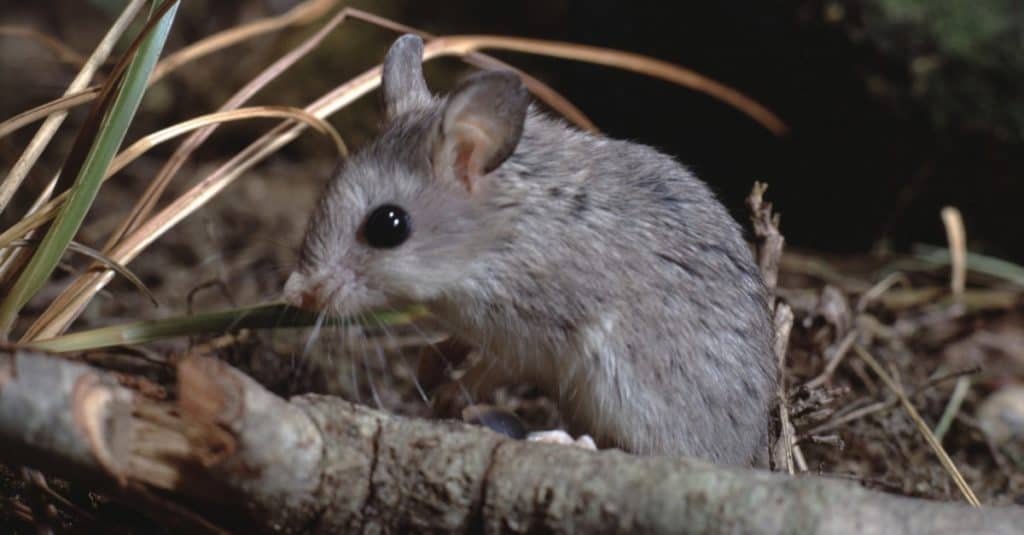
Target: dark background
{"points": [[896, 107], [870, 158]]}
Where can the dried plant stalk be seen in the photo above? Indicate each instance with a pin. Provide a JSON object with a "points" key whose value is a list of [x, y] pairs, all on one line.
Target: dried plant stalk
{"points": [[73, 299], [53, 122]]}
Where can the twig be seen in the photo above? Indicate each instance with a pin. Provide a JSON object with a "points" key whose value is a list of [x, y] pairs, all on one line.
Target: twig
{"points": [[880, 288], [316, 464], [783, 454], [837, 357], [39, 480], [766, 228], [786, 453]]}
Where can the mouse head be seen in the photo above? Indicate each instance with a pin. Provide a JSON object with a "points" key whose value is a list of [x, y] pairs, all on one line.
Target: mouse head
{"points": [[407, 217]]}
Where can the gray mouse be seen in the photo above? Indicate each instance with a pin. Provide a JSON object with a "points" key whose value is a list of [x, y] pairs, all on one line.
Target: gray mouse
{"points": [[601, 271]]}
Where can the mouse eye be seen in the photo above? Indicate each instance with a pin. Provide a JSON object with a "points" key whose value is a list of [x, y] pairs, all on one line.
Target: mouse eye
{"points": [[387, 226]]}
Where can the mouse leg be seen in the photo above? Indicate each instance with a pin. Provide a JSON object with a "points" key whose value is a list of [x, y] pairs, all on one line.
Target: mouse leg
{"points": [[457, 398], [505, 422]]}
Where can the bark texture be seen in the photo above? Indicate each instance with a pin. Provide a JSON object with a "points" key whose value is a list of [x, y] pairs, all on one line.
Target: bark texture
{"points": [[321, 465]]}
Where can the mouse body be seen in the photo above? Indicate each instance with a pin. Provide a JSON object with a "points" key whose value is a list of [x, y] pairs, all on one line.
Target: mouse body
{"points": [[601, 271]]}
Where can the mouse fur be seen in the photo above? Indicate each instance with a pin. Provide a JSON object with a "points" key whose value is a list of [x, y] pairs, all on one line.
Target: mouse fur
{"points": [[601, 271]]}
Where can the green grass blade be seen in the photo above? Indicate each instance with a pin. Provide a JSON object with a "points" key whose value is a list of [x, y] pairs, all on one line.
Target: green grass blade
{"points": [[976, 262], [271, 316], [108, 140]]}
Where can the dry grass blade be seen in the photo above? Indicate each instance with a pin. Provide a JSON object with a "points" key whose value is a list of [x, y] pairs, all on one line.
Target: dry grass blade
{"points": [[32, 221], [314, 9], [303, 13], [254, 112], [147, 201], [59, 105], [929, 437], [839, 421], [63, 52], [41, 215], [10, 263], [95, 146], [466, 44], [957, 237], [85, 250], [46, 132], [218, 41], [69, 304], [468, 47], [541, 90], [72, 301]]}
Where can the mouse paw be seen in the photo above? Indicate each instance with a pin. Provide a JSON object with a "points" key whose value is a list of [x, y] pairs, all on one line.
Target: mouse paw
{"points": [[557, 436]]}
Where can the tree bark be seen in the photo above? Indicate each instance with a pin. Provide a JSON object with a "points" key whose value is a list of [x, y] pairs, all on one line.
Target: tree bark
{"points": [[321, 465]]}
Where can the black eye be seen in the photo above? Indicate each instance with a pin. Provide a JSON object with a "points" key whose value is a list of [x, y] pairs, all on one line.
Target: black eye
{"points": [[387, 226]]}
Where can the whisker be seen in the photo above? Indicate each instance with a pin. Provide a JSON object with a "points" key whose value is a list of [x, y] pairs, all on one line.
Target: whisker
{"points": [[433, 346], [315, 333], [381, 358], [354, 365], [415, 378], [366, 367]]}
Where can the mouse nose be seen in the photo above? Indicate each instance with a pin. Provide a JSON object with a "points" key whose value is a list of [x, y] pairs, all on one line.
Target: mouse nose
{"points": [[310, 299], [303, 293]]}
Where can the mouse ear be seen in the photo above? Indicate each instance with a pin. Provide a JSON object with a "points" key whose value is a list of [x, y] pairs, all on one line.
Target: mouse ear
{"points": [[481, 126], [402, 80]]}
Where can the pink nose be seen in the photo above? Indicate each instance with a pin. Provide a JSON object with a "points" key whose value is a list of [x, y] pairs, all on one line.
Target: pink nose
{"points": [[301, 292], [310, 299]]}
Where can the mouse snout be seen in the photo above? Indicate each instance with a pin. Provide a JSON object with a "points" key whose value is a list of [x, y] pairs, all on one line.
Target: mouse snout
{"points": [[310, 299], [302, 292]]}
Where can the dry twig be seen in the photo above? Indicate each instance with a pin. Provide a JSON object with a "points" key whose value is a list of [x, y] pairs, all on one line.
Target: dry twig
{"points": [[317, 464]]}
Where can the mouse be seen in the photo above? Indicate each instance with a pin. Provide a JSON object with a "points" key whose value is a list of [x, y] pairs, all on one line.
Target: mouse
{"points": [[603, 272]]}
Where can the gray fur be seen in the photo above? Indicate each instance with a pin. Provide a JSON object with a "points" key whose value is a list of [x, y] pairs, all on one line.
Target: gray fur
{"points": [[600, 270]]}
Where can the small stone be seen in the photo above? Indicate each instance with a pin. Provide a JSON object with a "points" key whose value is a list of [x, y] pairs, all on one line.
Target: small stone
{"points": [[1001, 416]]}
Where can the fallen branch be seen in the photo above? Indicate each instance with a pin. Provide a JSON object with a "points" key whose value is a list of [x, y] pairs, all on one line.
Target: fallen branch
{"points": [[319, 464]]}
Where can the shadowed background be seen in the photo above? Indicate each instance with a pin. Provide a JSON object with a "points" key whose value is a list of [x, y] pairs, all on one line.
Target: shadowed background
{"points": [[897, 107]]}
